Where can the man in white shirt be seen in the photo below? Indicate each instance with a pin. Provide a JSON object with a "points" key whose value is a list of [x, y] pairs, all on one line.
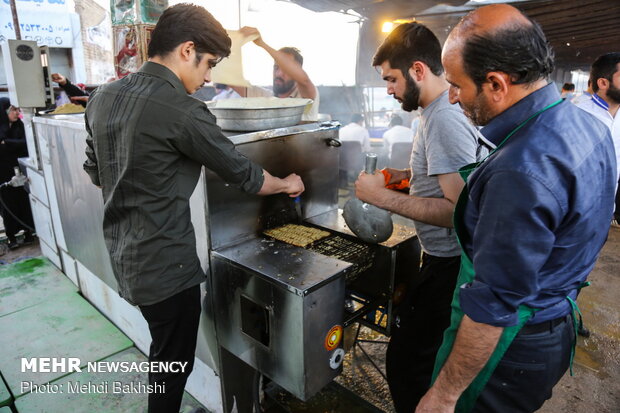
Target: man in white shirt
{"points": [[396, 133], [354, 131], [605, 101], [290, 80]]}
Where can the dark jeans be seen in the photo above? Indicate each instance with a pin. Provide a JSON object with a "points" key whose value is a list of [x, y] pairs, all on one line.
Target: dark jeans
{"points": [[525, 376], [173, 324], [424, 316]]}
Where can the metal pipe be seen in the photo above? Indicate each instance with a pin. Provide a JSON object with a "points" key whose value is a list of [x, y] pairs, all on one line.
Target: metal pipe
{"points": [[18, 34]]}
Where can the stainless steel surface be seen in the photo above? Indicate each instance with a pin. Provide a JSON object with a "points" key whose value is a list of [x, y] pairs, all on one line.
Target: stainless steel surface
{"points": [[297, 295], [293, 268], [371, 163], [279, 326], [80, 202], [239, 139], [235, 216], [257, 118], [368, 222], [300, 292]]}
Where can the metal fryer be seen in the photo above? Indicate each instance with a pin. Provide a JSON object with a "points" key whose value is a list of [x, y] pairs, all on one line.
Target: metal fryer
{"points": [[278, 309]]}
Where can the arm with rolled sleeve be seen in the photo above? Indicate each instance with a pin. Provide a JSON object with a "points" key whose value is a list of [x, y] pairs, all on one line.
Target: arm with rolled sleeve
{"points": [[512, 240]]}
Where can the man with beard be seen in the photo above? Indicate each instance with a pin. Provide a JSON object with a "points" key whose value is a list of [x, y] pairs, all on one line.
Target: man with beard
{"points": [[410, 63], [532, 219], [605, 102], [290, 80]]}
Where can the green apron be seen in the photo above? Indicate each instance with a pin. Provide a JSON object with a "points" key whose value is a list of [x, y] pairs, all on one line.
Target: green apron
{"points": [[466, 275]]}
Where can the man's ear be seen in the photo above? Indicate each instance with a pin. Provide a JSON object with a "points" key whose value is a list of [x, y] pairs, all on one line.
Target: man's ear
{"points": [[498, 84], [184, 50], [418, 70], [602, 83]]}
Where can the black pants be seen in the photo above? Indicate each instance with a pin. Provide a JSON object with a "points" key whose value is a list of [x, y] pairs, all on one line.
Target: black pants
{"points": [[18, 204], [525, 376], [416, 338], [173, 324]]}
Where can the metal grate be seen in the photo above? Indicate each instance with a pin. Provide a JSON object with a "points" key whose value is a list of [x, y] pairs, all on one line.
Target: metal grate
{"points": [[359, 255]]}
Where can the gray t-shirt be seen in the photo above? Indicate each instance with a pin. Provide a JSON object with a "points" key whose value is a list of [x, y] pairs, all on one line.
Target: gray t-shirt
{"points": [[444, 142]]}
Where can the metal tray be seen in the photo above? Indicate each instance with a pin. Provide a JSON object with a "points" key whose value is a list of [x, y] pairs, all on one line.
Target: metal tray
{"points": [[254, 114]]}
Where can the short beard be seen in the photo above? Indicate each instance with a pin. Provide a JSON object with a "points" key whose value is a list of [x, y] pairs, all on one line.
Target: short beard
{"points": [[613, 94], [411, 98], [285, 87], [478, 112]]}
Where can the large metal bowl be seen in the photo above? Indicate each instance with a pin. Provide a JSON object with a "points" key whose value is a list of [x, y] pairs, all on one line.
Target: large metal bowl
{"points": [[254, 114]]}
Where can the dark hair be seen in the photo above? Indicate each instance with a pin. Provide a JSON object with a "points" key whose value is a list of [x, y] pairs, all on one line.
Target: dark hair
{"points": [[604, 67], [187, 22], [520, 51], [569, 87], [396, 120], [357, 118], [408, 43], [293, 51]]}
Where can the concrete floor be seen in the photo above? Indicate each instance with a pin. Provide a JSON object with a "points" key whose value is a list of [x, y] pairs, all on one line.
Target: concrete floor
{"points": [[42, 315], [595, 386]]}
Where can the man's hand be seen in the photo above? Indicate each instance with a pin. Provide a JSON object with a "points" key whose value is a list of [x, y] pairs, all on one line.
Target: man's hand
{"points": [[397, 175], [368, 187], [295, 186], [248, 31], [58, 78], [434, 403], [474, 344]]}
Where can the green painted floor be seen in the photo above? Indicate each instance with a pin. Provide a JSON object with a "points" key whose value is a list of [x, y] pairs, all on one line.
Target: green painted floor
{"points": [[42, 315]]}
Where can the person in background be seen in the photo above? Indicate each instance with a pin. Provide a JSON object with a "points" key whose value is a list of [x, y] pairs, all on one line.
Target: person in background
{"points": [[223, 91], [568, 91], [289, 77], [410, 63], [15, 205], [396, 133], [586, 95], [604, 103], [530, 228], [356, 132], [76, 94], [147, 160]]}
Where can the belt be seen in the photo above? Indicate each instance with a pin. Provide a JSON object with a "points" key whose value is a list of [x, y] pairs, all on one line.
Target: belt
{"points": [[542, 327]]}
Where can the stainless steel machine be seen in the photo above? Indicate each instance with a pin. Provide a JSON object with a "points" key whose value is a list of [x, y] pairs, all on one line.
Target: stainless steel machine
{"points": [[279, 309]]}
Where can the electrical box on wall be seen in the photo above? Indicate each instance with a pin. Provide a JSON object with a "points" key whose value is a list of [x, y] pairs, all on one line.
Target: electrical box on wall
{"points": [[24, 73]]}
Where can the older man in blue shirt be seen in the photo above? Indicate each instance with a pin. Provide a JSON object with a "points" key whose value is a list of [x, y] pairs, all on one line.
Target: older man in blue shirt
{"points": [[531, 220]]}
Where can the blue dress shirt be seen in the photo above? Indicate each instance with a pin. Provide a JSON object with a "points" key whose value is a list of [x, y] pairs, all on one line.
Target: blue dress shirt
{"points": [[539, 210]]}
